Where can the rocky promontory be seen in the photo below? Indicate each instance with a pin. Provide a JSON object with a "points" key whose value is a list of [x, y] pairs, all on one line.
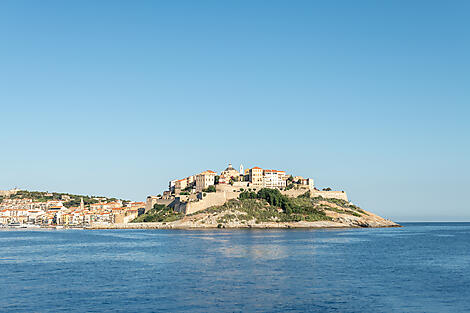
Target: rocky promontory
{"points": [[263, 210]]}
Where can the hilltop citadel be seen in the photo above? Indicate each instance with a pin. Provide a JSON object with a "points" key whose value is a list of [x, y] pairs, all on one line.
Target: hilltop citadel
{"points": [[207, 189]]}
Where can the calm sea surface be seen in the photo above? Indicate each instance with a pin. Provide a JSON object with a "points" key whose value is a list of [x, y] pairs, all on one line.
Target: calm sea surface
{"points": [[419, 268]]}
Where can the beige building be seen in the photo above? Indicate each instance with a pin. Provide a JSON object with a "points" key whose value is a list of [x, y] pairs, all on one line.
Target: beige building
{"points": [[180, 184], [124, 215], [190, 180], [256, 176], [307, 182], [227, 174], [205, 179]]}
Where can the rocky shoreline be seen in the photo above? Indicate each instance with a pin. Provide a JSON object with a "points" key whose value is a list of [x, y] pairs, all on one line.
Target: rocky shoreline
{"points": [[187, 224]]}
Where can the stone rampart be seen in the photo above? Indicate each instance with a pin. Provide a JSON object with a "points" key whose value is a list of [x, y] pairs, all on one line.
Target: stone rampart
{"points": [[316, 193], [7, 193], [152, 200], [231, 192], [211, 199], [294, 193], [189, 204], [330, 194], [166, 202]]}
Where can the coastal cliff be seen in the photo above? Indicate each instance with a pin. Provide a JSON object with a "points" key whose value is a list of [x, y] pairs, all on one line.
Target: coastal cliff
{"points": [[266, 211]]}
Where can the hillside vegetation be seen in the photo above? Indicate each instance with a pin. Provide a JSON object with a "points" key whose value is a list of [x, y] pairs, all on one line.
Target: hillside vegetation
{"points": [[68, 199], [159, 213]]}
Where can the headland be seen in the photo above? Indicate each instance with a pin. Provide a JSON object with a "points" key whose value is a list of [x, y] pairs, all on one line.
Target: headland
{"points": [[244, 198]]}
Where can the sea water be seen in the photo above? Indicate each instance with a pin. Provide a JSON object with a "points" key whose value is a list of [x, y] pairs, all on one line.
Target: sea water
{"points": [[422, 267]]}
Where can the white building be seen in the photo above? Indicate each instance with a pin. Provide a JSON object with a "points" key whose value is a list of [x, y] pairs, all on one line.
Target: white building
{"points": [[274, 179]]}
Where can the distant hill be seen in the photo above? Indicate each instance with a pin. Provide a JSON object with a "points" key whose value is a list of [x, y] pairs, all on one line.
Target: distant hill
{"points": [[69, 200]]}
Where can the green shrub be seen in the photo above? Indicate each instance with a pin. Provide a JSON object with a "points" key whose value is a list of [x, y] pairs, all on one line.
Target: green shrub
{"points": [[159, 213], [210, 189], [247, 195]]}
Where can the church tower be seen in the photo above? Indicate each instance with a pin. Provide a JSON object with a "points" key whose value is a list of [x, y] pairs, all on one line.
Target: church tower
{"points": [[242, 172], [82, 206]]}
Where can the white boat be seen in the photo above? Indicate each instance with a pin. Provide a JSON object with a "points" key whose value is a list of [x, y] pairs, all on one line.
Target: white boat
{"points": [[16, 225], [32, 226]]}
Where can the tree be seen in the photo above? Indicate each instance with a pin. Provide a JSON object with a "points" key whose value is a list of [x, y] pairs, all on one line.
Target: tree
{"points": [[274, 197], [211, 188], [247, 195]]}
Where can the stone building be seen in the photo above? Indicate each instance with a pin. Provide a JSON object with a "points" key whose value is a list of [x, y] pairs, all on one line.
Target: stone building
{"points": [[274, 179], [256, 176], [205, 179], [180, 184], [229, 173]]}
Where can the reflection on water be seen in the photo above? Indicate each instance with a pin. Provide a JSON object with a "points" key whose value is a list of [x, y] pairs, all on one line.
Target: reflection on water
{"points": [[262, 252]]}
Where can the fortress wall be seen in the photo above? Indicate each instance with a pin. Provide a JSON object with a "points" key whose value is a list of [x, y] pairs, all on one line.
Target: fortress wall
{"points": [[6, 193], [166, 202], [316, 193], [211, 199], [151, 200], [330, 194], [294, 192], [241, 184], [231, 192]]}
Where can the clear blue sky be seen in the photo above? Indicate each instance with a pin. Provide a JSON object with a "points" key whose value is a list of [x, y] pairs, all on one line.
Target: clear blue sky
{"points": [[118, 97]]}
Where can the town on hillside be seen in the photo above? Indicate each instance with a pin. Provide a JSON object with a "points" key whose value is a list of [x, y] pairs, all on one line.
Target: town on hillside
{"points": [[187, 195], [20, 208], [208, 188]]}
